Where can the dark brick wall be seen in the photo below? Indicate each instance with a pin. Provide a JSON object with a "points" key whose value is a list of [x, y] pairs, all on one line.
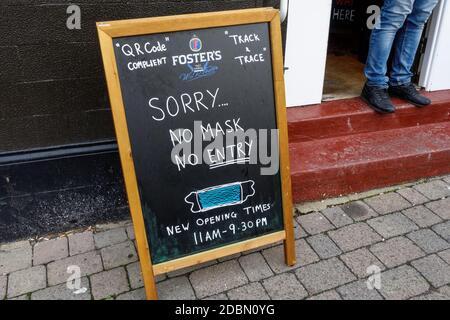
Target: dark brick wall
{"points": [[52, 88]]}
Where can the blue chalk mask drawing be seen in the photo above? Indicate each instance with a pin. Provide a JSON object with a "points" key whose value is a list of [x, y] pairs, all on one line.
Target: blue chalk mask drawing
{"points": [[225, 195]]}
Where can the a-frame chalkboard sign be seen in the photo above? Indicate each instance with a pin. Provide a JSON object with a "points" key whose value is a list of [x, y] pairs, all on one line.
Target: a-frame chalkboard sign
{"points": [[200, 117]]}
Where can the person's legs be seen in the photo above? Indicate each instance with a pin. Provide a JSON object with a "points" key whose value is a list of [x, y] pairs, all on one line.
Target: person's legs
{"points": [[408, 40], [392, 18]]}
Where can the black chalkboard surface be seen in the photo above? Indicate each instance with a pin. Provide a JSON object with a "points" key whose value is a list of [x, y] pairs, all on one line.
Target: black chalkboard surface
{"points": [[200, 118], [192, 205]]}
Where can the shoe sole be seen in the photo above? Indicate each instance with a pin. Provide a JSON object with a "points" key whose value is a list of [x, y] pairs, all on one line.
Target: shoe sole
{"points": [[375, 108]]}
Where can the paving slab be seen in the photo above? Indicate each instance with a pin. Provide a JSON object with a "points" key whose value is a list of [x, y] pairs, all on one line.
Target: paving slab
{"points": [[252, 291], [323, 246], [358, 210], [434, 269], [314, 223], [3, 281], [328, 295], [109, 283], [217, 278], [396, 251], [220, 296], [413, 196], [402, 283], [388, 203], [324, 275], [13, 258], [354, 236], [440, 207], [62, 292], [110, 237], [422, 216], [81, 242], [358, 290], [433, 190], [118, 255], [50, 250], [138, 294], [445, 255], [89, 263], [428, 241], [392, 225], [360, 260], [255, 266], [175, 289], [337, 216], [443, 229], [284, 286], [25, 281], [275, 256]]}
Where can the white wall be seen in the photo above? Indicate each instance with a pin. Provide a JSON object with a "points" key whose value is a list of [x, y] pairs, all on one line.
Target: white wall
{"points": [[435, 72], [306, 51]]}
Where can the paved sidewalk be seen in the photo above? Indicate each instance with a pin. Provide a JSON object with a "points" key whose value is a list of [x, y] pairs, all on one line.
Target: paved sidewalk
{"points": [[404, 234]]}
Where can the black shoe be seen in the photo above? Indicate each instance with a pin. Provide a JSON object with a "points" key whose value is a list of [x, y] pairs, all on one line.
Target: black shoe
{"points": [[378, 99], [409, 93]]}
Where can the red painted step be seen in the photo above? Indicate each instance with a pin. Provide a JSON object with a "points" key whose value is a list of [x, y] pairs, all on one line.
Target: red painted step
{"points": [[352, 116], [340, 165]]}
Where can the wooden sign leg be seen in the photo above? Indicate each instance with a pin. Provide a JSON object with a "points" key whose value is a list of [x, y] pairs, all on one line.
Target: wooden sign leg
{"points": [[289, 242]]}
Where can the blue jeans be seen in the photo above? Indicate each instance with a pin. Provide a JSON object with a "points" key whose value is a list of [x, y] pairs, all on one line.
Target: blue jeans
{"points": [[400, 25]]}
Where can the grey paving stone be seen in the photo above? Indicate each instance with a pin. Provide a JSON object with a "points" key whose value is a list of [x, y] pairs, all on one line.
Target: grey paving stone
{"points": [[184, 271], [413, 196], [434, 269], [443, 229], [50, 250], [392, 225], [2, 287], [112, 225], [358, 290], [81, 242], [61, 292], [387, 203], [138, 294], [337, 216], [422, 216], [230, 257], [109, 283], [314, 223], [217, 278], [445, 255], [89, 263], [135, 275], [118, 255], [358, 210], [323, 246], [22, 297], [445, 290], [275, 256], [176, 289], [432, 296], [110, 237], [220, 296], [359, 260], [27, 280], [285, 286], [354, 236], [428, 241], [402, 283], [328, 295], [324, 275], [15, 258], [441, 208], [130, 232], [252, 291], [396, 251], [299, 232], [433, 190], [255, 267]]}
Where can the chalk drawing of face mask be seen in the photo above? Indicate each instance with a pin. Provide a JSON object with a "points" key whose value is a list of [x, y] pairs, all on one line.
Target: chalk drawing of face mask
{"points": [[225, 195]]}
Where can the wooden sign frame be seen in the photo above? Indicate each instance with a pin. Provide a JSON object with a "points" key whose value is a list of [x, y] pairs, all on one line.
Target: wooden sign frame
{"points": [[134, 27]]}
